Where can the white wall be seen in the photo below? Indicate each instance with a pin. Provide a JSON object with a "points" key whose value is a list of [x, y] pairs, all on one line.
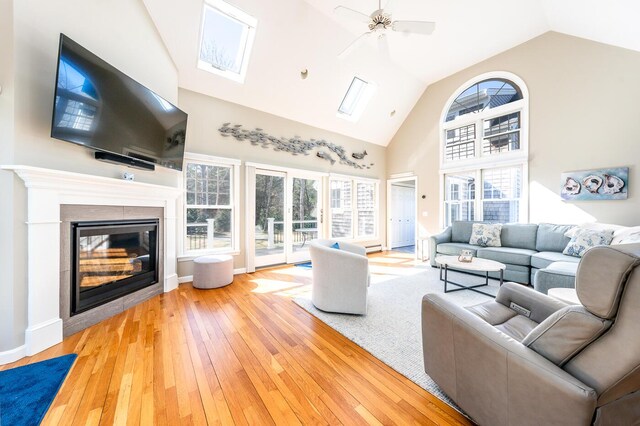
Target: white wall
{"points": [[583, 115], [9, 289], [206, 116], [120, 32]]}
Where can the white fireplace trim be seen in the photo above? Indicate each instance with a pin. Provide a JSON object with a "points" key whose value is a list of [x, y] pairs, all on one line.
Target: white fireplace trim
{"points": [[47, 190]]}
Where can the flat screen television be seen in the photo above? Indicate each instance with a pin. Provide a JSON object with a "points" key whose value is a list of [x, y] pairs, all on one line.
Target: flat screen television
{"points": [[97, 106]]}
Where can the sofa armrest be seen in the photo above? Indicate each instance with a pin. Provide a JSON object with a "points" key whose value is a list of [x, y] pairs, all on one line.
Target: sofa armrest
{"points": [[539, 305], [494, 378], [434, 240]]}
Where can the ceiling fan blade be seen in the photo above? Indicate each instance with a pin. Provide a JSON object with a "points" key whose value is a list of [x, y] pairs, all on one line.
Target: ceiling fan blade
{"points": [[383, 46], [354, 15], [357, 42], [414, 27], [388, 7]]}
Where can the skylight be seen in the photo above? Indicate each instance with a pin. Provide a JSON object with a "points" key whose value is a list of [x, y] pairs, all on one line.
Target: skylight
{"points": [[356, 99], [226, 39]]}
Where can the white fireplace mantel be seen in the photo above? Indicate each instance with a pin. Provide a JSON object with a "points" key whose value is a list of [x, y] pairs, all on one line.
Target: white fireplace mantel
{"points": [[47, 190]]}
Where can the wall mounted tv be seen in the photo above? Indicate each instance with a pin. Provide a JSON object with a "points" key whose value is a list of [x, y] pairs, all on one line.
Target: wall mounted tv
{"points": [[97, 106]]}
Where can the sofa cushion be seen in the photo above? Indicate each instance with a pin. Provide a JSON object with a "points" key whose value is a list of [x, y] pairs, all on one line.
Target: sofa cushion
{"points": [[586, 239], [563, 268], [551, 237], [552, 277], [513, 256], [486, 235], [461, 231], [492, 312], [517, 327], [454, 249], [519, 235], [565, 333], [595, 226], [545, 258]]}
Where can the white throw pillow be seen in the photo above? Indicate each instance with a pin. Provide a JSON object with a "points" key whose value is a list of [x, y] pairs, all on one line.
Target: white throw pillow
{"points": [[486, 235], [626, 236], [587, 239]]}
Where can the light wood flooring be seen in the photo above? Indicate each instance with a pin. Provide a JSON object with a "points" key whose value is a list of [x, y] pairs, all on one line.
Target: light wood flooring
{"points": [[244, 354]]}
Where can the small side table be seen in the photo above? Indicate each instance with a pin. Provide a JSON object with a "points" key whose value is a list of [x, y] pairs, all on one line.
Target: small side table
{"points": [[566, 295]]}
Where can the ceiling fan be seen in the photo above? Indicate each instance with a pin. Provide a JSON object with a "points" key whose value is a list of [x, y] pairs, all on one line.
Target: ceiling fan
{"points": [[380, 23]]}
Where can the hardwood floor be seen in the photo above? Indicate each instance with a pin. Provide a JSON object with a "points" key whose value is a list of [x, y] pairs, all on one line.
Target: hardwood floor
{"points": [[244, 354]]}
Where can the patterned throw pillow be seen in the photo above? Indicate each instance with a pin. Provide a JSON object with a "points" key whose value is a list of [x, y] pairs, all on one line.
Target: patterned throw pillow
{"points": [[486, 235], [587, 239]]}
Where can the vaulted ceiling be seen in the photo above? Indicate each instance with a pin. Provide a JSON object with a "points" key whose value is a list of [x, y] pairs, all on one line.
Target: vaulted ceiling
{"points": [[292, 35]]}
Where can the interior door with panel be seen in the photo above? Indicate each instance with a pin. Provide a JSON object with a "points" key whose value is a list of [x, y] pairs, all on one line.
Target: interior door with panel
{"points": [[402, 219]]}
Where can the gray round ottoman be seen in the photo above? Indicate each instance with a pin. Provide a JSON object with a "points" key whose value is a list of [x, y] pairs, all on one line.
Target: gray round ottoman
{"points": [[212, 271]]}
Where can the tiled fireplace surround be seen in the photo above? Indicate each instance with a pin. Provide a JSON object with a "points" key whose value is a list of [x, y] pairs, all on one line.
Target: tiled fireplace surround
{"points": [[54, 199]]}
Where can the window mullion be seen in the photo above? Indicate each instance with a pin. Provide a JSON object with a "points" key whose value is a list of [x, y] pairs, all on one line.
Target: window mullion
{"points": [[479, 195]]}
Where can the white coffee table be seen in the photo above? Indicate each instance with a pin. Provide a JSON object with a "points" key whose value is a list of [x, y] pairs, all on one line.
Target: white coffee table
{"points": [[477, 265]]}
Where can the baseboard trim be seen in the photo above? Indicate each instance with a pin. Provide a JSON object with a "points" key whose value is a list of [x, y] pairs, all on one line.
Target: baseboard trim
{"points": [[185, 279], [43, 336], [7, 357], [171, 282], [189, 278]]}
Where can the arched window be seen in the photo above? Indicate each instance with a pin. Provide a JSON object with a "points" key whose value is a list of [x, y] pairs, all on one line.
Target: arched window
{"points": [[484, 140]]}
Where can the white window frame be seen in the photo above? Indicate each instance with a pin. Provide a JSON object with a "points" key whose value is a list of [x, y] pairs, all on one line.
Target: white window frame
{"points": [[354, 208], [481, 162], [234, 13], [209, 160]]}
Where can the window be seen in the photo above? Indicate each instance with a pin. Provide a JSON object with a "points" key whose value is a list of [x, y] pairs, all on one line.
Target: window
{"points": [[483, 96], [341, 212], [459, 197], [501, 192], [356, 98], [500, 201], [226, 39], [354, 208], [366, 209], [484, 141], [501, 134], [211, 220], [460, 143]]}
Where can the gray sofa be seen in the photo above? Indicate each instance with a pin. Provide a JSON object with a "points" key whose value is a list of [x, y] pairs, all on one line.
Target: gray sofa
{"points": [[528, 359], [531, 252]]}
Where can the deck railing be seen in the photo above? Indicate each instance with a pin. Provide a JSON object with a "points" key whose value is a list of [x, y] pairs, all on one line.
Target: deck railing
{"points": [[274, 235]]}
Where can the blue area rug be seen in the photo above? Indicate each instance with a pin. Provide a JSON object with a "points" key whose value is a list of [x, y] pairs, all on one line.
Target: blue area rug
{"points": [[27, 392], [306, 265]]}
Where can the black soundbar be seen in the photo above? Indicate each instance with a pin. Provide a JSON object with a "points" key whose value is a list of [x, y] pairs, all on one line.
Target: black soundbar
{"points": [[122, 159]]}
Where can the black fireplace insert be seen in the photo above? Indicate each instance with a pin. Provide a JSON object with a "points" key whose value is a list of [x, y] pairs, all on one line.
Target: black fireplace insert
{"points": [[111, 259]]}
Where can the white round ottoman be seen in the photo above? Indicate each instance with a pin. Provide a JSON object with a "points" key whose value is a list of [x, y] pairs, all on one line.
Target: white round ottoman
{"points": [[212, 271]]}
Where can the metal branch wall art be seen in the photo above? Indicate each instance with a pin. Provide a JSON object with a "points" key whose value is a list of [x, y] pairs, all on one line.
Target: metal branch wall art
{"points": [[295, 145]]}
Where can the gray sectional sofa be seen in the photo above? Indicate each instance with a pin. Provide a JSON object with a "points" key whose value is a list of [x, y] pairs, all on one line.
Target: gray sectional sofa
{"points": [[532, 253]]}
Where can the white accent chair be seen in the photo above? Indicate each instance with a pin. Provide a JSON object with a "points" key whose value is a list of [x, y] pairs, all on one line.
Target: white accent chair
{"points": [[340, 277]]}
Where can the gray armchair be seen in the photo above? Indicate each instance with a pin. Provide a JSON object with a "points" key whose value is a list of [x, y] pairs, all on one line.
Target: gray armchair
{"points": [[527, 359]]}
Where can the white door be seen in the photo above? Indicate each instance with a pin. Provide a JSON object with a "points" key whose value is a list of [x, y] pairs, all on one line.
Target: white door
{"points": [[287, 215], [269, 218], [402, 218]]}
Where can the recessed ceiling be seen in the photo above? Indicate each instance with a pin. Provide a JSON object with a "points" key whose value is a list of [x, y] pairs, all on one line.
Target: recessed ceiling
{"points": [[293, 35]]}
